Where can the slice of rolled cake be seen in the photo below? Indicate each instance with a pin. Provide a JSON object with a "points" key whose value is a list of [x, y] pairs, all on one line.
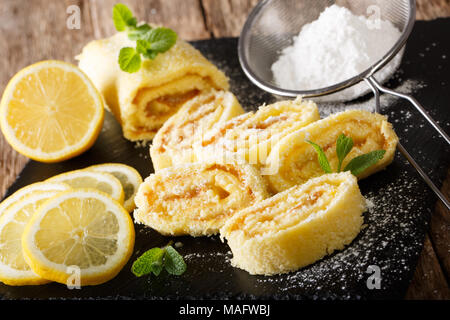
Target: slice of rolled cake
{"points": [[198, 198], [251, 136], [296, 227], [144, 100], [293, 161], [173, 144]]}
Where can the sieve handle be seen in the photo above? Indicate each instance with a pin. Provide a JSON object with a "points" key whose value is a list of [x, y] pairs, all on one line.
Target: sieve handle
{"points": [[414, 102], [376, 88]]}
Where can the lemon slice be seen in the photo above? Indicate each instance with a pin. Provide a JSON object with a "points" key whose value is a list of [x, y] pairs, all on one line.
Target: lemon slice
{"points": [[50, 111], [82, 229], [90, 179], [38, 186], [14, 269], [128, 177]]}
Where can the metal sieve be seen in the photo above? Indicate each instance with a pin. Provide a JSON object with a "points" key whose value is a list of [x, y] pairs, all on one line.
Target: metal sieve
{"points": [[272, 24]]}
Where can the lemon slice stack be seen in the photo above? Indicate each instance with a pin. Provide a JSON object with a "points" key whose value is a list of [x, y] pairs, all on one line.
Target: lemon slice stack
{"points": [[73, 224], [14, 270], [81, 228]]}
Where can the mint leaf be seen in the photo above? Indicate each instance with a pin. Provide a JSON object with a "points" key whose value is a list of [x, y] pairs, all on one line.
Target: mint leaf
{"points": [[139, 33], [123, 17], [158, 263], [343, 146], [149, 261], [323, 161], [150, 55], [161, 39], [142, 46], [129, 60], [149, 41], [173, 262], [359, 164]]}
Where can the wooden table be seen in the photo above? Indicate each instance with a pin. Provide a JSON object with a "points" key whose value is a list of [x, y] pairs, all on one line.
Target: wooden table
{"points": [[33, 30]]}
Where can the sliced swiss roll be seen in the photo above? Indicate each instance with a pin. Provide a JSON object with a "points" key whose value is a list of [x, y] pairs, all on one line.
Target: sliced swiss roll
{"points": [[293, 161], [296, 227], [173, 144], [196, 199], [142, 101], [251, 136]]}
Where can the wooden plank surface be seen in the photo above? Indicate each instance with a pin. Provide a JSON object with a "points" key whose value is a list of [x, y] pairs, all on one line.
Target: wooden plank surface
{"points": [[33, 30]]}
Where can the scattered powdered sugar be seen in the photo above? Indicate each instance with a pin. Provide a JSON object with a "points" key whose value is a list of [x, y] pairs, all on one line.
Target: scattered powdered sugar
{"points": [[408, 86], [337, 46], [387, 237]]}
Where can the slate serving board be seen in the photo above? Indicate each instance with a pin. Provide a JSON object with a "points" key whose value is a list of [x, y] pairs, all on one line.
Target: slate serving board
{"points": [[395, 224]]}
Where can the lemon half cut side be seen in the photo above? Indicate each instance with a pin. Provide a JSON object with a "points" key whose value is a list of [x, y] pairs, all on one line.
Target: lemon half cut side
{"points": [[51, 111]]}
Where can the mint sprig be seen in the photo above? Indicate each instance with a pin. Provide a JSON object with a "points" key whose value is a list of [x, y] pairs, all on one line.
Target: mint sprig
{"points": [[157, 259], [344, 145], [174, 263], [359, 164], [149, 41], [123, 17], [129, 59], [321, 157]]}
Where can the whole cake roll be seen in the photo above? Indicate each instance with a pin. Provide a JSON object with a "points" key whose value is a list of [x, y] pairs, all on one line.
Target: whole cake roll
{"points": [[198, 198], [173, 144], [144, 100], [251, 136], [293, 161], [296, 227]]}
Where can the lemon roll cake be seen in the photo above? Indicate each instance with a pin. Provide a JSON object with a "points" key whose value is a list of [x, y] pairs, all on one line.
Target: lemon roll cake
{"points": [[197, 198], [296, 227], [173, 144], [293, 161], [144, 100], [251, 136]]}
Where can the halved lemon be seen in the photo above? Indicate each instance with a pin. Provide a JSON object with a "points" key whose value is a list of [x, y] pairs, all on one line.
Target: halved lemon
{"points": [[91, 179], [51, 111], [38, 186], [14, 269], [81, 229], [128, 177]]}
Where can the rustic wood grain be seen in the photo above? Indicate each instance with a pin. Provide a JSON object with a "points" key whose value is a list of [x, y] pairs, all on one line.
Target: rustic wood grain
{"points": [[34, 30], [225, 18], [440, 230], [184, 16], [432, 9], [31, 31], [431, 278], [429, 281]]}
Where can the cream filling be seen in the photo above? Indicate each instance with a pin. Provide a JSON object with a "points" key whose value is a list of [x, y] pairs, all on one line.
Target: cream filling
{"points": [[151, 107]]}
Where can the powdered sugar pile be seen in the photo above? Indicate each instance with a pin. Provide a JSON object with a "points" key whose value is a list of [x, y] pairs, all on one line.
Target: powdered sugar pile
{"points": [[337, 46]]}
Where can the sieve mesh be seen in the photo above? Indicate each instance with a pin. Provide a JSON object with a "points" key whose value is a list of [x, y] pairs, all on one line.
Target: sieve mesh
{"points": [[272, 25]]}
